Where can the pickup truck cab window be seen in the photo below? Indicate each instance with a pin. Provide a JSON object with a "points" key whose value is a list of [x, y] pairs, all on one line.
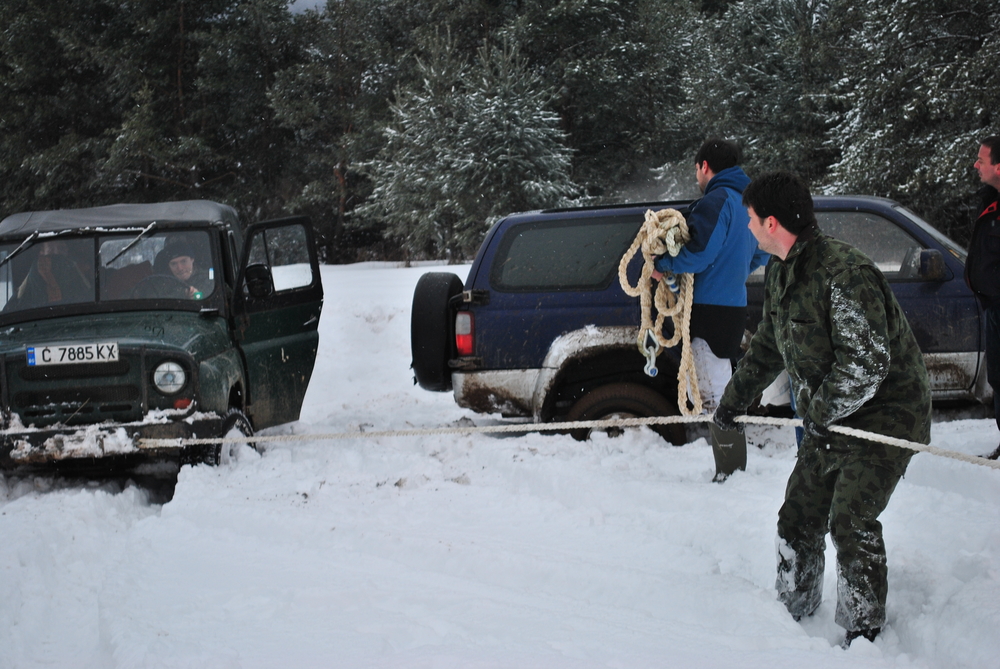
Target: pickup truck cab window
{"points": [[892, 249]]}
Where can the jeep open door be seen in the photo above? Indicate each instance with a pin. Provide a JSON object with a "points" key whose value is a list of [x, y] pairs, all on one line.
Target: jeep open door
{"points": [[279, 296]]}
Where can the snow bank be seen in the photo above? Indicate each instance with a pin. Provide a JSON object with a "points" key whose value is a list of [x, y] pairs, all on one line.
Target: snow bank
{"points": [[472, 551]]}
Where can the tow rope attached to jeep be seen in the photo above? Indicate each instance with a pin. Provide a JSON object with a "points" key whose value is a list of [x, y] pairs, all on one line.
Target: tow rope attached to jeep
{"points": [[664, 231], [523, 428]]}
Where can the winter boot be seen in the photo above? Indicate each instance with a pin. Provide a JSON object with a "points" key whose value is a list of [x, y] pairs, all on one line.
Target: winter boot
{"points": [[730, 451], [851, 635]]}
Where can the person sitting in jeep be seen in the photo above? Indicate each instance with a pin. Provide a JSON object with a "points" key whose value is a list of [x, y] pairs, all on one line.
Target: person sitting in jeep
{"points": [[177, 273], [54, 277], [179, 257]]}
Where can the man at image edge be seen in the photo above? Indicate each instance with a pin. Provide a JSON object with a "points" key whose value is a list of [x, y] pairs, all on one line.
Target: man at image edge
{"points": [[982, 267]]}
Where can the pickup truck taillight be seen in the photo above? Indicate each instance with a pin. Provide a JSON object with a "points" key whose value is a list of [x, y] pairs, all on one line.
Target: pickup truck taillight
{"points": [[465, 331]]}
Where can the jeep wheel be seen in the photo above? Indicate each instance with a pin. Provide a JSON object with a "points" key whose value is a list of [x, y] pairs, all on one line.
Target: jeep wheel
{"points": [[626, 400], [235, 425], [431, 329]]}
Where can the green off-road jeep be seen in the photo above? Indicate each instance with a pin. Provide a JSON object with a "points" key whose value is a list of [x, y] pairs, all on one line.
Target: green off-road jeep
{"points": [[155, 321]]}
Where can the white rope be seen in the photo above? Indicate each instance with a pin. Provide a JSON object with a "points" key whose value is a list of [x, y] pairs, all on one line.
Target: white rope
{"points": [[573, 425], [663, 232]]}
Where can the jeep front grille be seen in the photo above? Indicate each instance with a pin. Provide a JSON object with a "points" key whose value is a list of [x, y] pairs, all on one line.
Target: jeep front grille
{"points": [[83, 371], [80, 394]]}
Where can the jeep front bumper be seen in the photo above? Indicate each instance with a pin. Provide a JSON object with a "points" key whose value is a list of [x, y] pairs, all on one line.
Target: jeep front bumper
{"points": [[32, 446]]}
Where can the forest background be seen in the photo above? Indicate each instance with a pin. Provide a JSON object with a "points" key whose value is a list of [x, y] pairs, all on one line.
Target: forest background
{"points": [[404, 128]]}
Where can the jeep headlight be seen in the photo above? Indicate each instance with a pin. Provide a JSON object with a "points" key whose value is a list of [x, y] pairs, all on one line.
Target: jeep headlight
{"points": [[169, 377]]}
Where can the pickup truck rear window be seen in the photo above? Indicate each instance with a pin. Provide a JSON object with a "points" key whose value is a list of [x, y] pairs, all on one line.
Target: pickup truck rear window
{"points": [[567, 254]]}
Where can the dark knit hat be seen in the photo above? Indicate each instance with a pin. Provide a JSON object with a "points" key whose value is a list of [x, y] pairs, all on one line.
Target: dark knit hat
{"points": [[178, 248]]}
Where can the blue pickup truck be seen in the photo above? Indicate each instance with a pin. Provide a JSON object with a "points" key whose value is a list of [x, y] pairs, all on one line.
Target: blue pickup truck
{"points": [[542, 329]]}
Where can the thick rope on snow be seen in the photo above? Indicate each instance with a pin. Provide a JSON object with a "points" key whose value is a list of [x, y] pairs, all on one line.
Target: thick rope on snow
{"points": [[664, 231], [523, 428]]}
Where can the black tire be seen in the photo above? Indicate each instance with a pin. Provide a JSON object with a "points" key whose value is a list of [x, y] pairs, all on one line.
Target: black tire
{"points": [[626, 400], [432, 326], [221, 453], [235, 422]]}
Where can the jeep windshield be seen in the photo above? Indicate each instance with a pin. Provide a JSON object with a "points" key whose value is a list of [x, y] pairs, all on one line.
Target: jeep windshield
{"points": [[106, 271]]}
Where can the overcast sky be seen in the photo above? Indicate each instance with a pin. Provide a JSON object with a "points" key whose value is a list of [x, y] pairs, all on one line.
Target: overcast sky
{"points": [[298, 6]]}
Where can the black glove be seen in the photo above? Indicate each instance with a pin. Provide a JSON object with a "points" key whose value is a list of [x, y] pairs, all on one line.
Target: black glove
{"points": [[725, 419], [815, 430]]}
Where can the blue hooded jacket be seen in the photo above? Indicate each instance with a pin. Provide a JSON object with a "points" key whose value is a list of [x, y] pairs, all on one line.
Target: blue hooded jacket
{"points": [[722, 251]]}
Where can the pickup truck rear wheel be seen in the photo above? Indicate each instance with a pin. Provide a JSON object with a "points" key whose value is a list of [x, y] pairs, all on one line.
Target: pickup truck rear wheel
{"points": [[432, 329], [626, 400]]}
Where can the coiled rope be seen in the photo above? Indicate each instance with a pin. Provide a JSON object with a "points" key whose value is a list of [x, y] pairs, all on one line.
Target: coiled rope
{"points": [[662, 232], [523, 428]]}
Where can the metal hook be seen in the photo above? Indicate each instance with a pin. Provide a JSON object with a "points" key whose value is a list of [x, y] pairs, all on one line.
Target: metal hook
{"points": [[650, 347]]}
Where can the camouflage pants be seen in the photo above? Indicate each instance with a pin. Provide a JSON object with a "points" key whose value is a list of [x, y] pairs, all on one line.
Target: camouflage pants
{"points": [[836, 488]]}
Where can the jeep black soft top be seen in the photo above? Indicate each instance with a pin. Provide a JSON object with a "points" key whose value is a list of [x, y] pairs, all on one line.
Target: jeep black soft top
{"points": [[120, 216]]}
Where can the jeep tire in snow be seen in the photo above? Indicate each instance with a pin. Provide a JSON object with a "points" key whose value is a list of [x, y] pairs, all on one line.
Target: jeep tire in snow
{"points": [[432, 329], [235, 424], [626, 400]]}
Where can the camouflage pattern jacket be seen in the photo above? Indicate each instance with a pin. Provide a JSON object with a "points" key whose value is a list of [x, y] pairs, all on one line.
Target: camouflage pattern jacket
{"points": [[831, 319]]}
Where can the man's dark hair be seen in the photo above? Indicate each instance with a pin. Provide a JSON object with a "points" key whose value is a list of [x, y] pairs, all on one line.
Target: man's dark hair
{"points": [[993, 144], [721, 154], [784, 196]]}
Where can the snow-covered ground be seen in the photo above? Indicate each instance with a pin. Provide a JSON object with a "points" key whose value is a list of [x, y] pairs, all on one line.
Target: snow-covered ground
{"points": [[472, 551]]}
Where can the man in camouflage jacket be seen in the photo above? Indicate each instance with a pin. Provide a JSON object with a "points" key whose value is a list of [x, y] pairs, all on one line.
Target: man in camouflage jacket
{"points": [[832, 321]]}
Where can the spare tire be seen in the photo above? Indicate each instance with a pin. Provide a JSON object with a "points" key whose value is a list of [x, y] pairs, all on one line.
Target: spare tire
{"points": [[432, 329]]}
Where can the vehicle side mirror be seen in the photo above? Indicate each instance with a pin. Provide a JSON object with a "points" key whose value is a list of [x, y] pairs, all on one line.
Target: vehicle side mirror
{"points": [[932, 267], [259, 282]]}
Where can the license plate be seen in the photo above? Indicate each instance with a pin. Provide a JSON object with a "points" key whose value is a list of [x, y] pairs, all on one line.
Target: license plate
{"points": [[72, 354]]}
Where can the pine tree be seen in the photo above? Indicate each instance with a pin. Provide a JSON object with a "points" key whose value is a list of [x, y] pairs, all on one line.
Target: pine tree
{"points": [[334, 102], [521, 161], [196, 121], [103, 102], [617, 69], [921, 85], [54, 103], [466, 146], [763, 77]]}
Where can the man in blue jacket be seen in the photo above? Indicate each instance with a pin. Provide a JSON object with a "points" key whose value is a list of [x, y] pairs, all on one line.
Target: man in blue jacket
{"points": [[721, 254]]}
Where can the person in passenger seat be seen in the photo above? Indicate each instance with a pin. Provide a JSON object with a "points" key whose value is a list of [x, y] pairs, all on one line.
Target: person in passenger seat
{"points": [[54, 278]]}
